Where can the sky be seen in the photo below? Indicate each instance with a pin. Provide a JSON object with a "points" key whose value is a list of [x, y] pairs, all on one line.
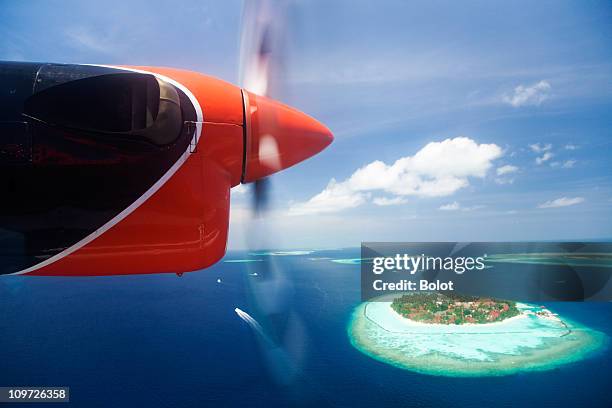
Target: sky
{"points": [[453, 121]]}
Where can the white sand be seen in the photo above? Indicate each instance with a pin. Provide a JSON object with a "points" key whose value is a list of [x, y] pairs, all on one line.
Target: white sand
{"points": [[524, 342]]}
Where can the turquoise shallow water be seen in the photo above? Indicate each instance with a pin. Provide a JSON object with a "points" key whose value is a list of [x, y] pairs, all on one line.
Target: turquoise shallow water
{"points": [[352, 261], [281, 253], [601, 260], [523, 343]]}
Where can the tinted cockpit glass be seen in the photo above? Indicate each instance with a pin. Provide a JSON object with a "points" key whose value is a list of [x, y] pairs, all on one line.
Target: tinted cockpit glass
{"points": [[112, 103], [137, 106]]}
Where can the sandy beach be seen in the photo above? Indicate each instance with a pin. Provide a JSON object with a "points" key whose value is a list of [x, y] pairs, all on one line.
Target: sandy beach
{"points": [[526, 342]]}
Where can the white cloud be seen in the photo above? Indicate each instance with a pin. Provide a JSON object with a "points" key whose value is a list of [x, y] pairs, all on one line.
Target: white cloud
{"points": [[540, 148], [561, 202], [545, 157], [502, 181], [569, 164], [507, 169], [454, 206], [528, 95], [336, 197], [385, 201], [570, 146], [438, 169]]}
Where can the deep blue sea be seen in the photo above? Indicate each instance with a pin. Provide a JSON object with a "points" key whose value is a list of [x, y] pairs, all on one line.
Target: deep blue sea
{"points": [[169, 341]]}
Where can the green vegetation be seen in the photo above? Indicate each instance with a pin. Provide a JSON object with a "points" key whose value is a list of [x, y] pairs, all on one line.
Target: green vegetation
{"points": [[437, 308]]}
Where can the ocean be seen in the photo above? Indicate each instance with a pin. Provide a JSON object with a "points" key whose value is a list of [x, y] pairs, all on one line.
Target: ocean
{"points": [[169, 341]]}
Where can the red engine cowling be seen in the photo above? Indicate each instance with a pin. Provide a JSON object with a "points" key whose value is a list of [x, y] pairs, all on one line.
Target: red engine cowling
{"points": [[179, 221]]}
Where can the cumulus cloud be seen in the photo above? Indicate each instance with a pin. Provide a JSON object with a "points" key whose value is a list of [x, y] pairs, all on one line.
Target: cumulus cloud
{"points": [[336, 197], [568, 164], [502, 180], [507, 169], [561, 202], [528, 95], [544, 149], [438, 169], [503, 174], [545, 157], [455, 206], [540, 148], [385, 201]]}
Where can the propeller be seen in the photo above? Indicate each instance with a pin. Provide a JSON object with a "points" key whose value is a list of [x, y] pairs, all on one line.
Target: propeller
{"points": [[263, 43], [262, 64], [278, 328]]}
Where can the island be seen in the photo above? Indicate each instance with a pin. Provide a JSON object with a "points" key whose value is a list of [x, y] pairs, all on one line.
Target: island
{"points": [[454, 335], [438, 308]]}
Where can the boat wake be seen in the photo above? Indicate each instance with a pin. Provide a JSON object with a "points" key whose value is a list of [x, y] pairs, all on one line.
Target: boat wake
{"points": [[250, 321]]}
